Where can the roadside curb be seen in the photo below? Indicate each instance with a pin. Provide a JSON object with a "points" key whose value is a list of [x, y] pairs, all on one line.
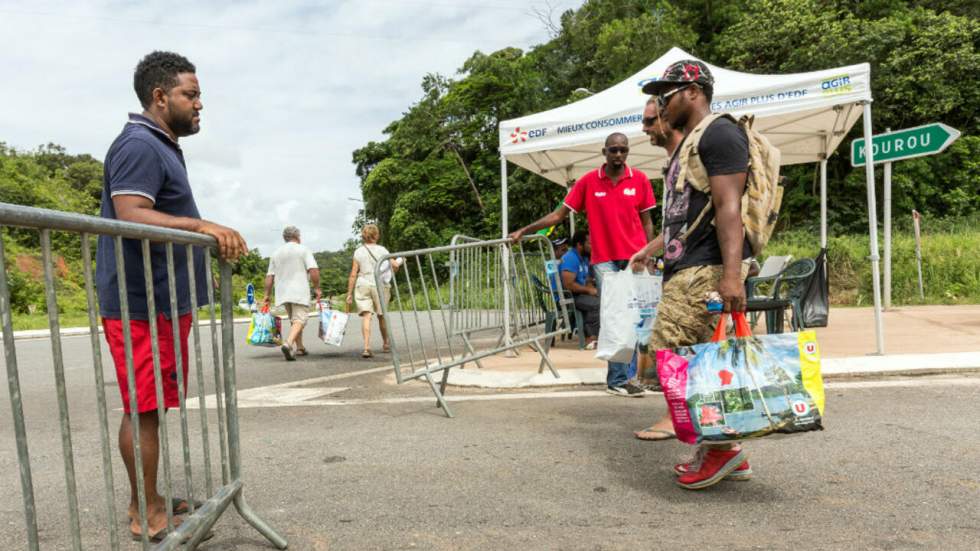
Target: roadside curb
{"points": [[28, 334], [831, 369]]}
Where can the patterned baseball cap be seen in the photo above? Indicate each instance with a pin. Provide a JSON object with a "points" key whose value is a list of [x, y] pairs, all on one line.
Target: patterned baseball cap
{"points": [[681, 72]]}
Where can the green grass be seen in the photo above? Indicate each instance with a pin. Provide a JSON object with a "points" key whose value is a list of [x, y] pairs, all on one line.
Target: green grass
{"points": [[950, 265], [39, 320], [24, 322]]}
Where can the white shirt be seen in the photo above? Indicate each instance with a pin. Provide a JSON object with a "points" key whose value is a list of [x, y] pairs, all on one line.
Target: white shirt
{"points": [[367, 263], [290, 265]]}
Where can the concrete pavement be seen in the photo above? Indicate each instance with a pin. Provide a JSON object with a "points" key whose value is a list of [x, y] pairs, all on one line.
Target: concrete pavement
{"points": [[372, 465]]}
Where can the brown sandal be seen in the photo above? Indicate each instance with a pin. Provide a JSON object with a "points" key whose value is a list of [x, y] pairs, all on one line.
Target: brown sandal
{"points": [[658, 434], [367, 354]]}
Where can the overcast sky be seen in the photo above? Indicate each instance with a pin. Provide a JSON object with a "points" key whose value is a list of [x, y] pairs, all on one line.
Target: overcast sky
{"points": [[290, 89]]}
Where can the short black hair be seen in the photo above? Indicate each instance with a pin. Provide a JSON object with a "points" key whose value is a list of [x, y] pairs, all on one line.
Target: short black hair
{"points": [[708, 92], [578, 239], [617, 135], [158, 70]]}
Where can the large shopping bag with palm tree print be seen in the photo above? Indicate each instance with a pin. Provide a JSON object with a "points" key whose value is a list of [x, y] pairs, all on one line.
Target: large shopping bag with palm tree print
{"points": [[743, 386], [264, 329]]}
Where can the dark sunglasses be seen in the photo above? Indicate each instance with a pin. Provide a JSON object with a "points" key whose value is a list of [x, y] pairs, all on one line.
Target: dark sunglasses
{"points": [[664, 99], [650, 121], [616, 149]]}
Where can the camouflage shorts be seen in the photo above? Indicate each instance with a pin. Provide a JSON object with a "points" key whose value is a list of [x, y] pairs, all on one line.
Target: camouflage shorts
{"points": [[682, 318]]}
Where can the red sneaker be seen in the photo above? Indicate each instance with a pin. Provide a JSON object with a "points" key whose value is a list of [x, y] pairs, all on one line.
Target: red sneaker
{"points": [[691, 464], [715, 465], [742, 472]]}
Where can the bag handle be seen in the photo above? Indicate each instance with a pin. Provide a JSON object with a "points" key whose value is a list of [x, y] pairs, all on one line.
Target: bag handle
{"points": [[741, 326]]}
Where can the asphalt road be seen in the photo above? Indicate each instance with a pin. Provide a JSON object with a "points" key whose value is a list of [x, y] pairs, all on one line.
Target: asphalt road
{"points": [[376, 466]]}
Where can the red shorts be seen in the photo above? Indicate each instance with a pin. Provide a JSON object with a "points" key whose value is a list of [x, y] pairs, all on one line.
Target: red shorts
{"points": [[146, 394]]}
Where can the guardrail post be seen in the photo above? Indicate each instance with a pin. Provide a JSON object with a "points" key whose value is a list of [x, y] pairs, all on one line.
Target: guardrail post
{"points": [[231, 406], [17, 405]]}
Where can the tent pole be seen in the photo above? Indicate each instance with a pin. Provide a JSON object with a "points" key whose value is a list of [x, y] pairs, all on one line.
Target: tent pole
{"points": [[568, 186], [823, 203], [504, 249], [869, 172]]}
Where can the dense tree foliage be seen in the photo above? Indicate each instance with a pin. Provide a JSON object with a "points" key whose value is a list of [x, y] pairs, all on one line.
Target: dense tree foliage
{"points": [[437, 173]]}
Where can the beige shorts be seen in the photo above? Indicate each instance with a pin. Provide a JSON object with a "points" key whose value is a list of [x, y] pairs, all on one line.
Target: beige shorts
{"points": [[367, 299], [682, 318], [297, 312]]}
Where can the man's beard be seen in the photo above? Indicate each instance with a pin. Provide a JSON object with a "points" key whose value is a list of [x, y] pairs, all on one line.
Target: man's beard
{"points": [[184, 127], [681, 121]]}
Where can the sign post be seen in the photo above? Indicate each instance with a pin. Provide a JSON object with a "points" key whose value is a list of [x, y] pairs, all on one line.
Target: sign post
{"points": [[887, 215], [918, 250], [908, 143]]}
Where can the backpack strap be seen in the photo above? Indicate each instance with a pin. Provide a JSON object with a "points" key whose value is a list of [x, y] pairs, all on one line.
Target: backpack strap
{"points": [[368, 249], [692, 169]]}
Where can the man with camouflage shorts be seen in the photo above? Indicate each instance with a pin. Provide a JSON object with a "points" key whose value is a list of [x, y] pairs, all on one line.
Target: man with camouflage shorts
{"points": [[703, 238]]}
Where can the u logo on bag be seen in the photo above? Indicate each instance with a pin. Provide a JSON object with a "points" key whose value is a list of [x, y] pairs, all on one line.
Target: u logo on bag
{"points": [[810, 348], [800, 408]]}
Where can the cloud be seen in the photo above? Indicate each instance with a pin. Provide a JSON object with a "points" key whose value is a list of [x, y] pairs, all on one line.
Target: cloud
{"points": [[290, 89]]}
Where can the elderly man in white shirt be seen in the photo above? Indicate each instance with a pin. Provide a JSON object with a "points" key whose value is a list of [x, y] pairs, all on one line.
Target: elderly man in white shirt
{"points": [[292, 269]]}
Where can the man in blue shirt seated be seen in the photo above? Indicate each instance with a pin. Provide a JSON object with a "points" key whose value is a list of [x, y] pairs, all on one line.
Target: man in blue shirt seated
{"points": [[574, 270]]}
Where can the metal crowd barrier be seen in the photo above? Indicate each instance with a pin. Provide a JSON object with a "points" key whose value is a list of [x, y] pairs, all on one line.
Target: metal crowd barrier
{"points": [[218, 494], [469, 300]]}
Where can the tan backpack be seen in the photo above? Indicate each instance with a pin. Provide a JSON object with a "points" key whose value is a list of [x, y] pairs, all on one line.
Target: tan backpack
{"points": [[763, 194]]}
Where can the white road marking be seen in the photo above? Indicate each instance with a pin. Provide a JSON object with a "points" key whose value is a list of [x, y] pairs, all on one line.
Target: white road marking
{"points": [[914, 381], [288, 395], [273, 397], [315, 380]]}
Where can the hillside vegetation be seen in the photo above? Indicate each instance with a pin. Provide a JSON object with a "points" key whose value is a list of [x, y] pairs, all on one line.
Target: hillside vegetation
{"points": [[439, 162]]}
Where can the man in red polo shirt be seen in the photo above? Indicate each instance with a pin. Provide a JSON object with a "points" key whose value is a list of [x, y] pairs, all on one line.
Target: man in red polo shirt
{"points": [[617, 201]]}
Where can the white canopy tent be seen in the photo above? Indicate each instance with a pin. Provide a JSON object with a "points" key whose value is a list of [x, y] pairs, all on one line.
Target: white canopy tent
{"points": [[805, 115]]}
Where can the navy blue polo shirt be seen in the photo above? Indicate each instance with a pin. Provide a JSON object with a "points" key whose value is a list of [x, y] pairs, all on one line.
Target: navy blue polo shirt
{"points": [[145, 161]]}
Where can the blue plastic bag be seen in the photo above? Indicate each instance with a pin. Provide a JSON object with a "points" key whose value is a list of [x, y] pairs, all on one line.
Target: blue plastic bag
{"points": [[262, 329]]}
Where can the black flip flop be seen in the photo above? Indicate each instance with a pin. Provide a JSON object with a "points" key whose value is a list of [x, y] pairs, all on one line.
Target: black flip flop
{"points": [[179, 506], [162, 534]]}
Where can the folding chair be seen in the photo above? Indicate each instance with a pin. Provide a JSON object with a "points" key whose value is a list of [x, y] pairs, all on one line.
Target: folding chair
{"points": [[770, 270]]}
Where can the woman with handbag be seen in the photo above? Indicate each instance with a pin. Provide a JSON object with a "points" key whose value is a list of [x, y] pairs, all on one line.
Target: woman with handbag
{"points": [[362, 291]]}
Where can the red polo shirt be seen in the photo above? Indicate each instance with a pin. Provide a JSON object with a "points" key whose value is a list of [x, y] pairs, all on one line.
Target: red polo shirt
{"points": [[613, 211]]}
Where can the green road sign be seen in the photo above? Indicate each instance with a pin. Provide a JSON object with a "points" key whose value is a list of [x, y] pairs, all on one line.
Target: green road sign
{"points": [[919, 141]]}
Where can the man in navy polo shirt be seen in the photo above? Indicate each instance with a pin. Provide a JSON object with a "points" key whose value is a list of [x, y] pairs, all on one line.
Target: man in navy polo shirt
{"points": [[146, 181], [617, 201]]}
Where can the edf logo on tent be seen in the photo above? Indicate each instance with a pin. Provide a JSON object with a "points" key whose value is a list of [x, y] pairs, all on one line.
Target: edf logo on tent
{"points": [[519, 136], [839, 84]]}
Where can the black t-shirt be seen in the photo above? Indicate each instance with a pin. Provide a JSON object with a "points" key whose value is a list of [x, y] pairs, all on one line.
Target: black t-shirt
{"points": [[724, 149]]}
